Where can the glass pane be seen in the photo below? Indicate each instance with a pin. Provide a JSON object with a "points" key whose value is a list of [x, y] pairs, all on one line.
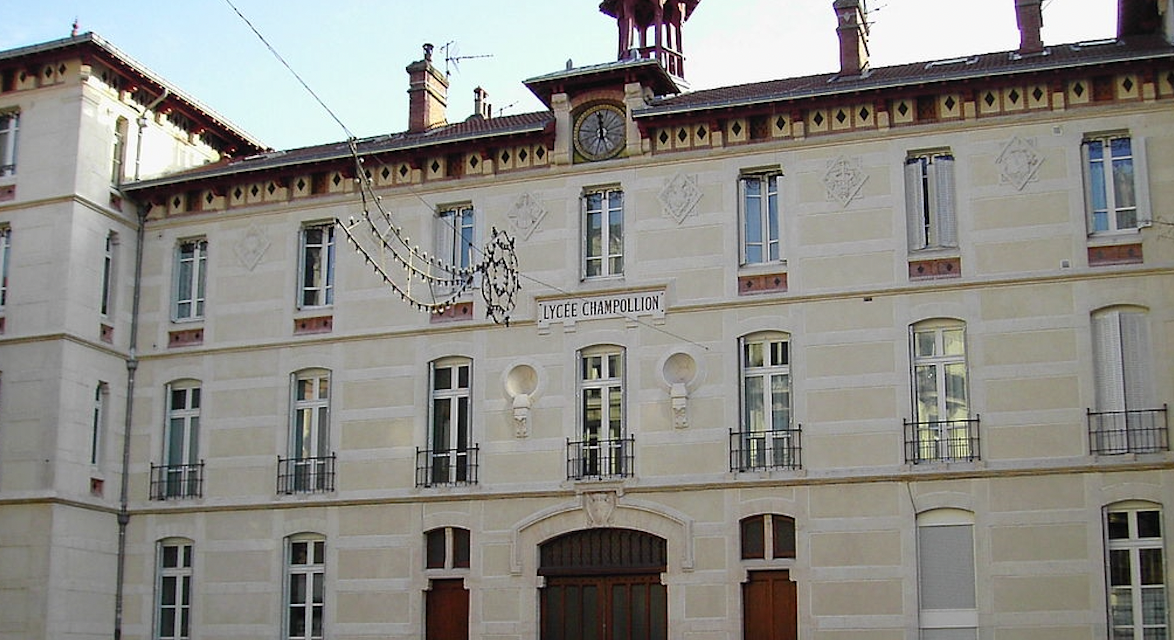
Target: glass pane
{"points": [[1119, 568], [178, 399], [168, 597], [186, 588], [442, 378], [441, 423], [590, 612], [956, 408], [658, 612], [463, 377], [614, 368], [754, 354], [195, 398], [461, 548], [639, 595], [755, 405], [187, 555], [953, 343], [297, 622], [923, 343], [754, 537], [1149, 524], [780, 402], [1151, 566], [772, 222], [170, 557], [175, 440], [1153, 606], [1121, 607], [167, 623], [784, 536], [592, 412], [319, 552], [316, 623], [615, 413], [193, 440], [297, 588], [927, 393], [621, 612], [779, 353], [1118, 525], [319, 588], [434, 552], [299, 552], [592, 367]]}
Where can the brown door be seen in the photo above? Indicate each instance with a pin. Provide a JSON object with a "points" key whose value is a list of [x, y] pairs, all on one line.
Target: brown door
{"points": [[631, 607], [769, 607], [446, 609]]}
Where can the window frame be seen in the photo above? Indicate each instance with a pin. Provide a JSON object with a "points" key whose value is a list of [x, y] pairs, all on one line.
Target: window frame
{"points": [[946, 617], [770, 219], [457, 234], [449, 461], [931, 200], [9, 142], [118, 151], [5, 263], [99, 410], [319, 256], [765, 444], [183, 576], [1133, 545], [106, 302], [610, 263], [315, 441], [1103, 178], [192, 273], [315, 572], [944, 435], [603, 447]]}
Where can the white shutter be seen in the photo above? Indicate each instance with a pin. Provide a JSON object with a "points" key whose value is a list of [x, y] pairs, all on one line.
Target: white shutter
{"points": [[1145, 217], [1110, 378], [945, 556], [946, 202], [1135, 361], [914, 204], [1086, 172]]}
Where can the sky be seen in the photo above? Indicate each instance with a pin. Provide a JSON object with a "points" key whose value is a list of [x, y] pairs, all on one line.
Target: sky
{"points": [[352, 53]]}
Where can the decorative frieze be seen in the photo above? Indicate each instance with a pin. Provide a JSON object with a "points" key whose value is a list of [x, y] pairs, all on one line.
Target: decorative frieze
{"points": [[680, 196], [1018, 162]]}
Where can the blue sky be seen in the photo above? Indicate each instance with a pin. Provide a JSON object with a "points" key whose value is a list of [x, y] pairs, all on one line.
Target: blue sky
{"points": [[353, 52]]}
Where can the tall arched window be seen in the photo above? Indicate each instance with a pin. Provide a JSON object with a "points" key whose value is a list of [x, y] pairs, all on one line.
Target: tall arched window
{"points": [[1127, 417], [305, 587], [604, 448], [768, 438], [173, 589], [943, 428], [310, 466], [451, 457], [1137, 575], [181, 474], [945, 574]]}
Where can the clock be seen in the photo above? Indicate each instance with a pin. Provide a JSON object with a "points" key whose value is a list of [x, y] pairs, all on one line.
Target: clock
{"points": [[600, 132]]}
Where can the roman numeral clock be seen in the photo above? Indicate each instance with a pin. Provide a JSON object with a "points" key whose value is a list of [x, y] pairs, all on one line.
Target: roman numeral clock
{"points": [[600, 132]]}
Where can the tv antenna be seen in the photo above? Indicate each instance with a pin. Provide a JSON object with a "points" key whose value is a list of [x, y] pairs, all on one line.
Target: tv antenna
{"points": [[453, 58]]}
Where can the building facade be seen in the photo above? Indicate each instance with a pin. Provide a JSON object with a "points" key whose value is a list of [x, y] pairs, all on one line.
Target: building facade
{"points": [[881, 353]]}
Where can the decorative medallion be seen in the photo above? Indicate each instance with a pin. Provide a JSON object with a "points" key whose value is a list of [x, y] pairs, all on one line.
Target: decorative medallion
{"points": [[1019, 162], [843, 180], [525, 215], [251, 247], [599, 507], [680, 196]]}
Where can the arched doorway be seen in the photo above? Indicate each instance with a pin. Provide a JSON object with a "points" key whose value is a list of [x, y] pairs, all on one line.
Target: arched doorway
{"points": [[603, 584]]}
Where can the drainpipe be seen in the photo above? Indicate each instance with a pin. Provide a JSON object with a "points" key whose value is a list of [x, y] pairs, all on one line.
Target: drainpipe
{"points": [[132, 365]]}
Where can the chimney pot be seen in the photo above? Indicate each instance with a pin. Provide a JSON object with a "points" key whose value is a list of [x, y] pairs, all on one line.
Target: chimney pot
{"points": [[852, 29], [1030, 17]]}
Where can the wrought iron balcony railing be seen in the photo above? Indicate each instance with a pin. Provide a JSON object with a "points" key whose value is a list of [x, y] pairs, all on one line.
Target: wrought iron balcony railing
{"points": [[176, 481], [305, 475], [446, 466], [593, 458], [941, 441], [761, 450], [1132, 431]]}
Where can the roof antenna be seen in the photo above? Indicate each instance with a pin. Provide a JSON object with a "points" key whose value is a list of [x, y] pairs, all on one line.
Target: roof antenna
{"points": [[452, 59]]}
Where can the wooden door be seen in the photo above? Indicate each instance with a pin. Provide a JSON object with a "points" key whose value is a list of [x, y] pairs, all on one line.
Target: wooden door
{"points": [[769, 607], [628, 607], [446, 610]]}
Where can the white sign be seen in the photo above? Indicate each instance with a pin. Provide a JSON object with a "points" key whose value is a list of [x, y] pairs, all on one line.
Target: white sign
{"points": [[617, 305]]}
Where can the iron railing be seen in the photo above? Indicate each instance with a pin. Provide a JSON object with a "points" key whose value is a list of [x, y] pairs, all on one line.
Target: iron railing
{"points": [[1131, 431], [761, 450], [305, 475], [176, 481], [942, 441], [594, 458], [446, 466]]}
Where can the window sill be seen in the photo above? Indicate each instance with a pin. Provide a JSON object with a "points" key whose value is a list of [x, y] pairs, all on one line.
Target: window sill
{"points": [[762, 283], [317, 324], [1112, 254], [185, 338], [933, 268]]}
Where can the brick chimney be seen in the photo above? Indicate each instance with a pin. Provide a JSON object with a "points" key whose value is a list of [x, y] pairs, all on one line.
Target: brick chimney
{"points": [[852, 28], [1030, 16], [481, 106], [427, 94]]}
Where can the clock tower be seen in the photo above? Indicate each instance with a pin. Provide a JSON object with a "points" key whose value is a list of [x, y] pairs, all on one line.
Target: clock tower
{"points": [[652, 29]]}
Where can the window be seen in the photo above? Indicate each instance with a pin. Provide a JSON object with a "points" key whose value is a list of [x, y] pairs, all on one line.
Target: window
{"points": [[98, 423], [767, 439], [1137, 574], [5, 249], [106, 304], [759, 195], [447, 548], [316, 282], [118, 157], [942, 428], [9, 125], [1127, 418], [603, 450], [310, 466], [930, 203], [446, 603], [305, 588], [1116, 190], [768, 537], [449, 459], [173, 590], [603, 233], [455, 236], [769, 597], [945, 574], [191, 260], [181, 474]]}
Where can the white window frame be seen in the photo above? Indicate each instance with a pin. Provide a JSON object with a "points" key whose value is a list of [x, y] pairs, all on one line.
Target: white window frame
{"points": [[9, 136], [312, 573], [450, 443], [175, 581], [456, 235], [118, 153], [1099, 181], [1122, 359], [5, 252], [309, 433], [98, 412], [601, 375], [181, 433], [760, 207], [606, 260], [106, 305], [316, 266], [937, 422], [191, 273], [767, 411], [931, 202], [954, 616], [1130, 549]]}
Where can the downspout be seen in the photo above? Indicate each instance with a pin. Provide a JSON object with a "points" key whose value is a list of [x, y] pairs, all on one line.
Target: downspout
{"points": [[132, 365]]}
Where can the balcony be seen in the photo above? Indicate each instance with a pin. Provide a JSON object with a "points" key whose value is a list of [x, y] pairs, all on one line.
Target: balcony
{"points": [[764, 450], [305, 475], [1132, 431], [941, 441], [177, 481], [595, 459], [439, 467]]}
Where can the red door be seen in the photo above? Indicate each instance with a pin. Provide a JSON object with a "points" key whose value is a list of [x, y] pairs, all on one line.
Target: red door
{"points": [[769, 607], [629, 607], [446, 609]]}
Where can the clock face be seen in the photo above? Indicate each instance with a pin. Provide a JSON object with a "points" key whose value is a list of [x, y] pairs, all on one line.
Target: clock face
{"points": [[599, 132]]}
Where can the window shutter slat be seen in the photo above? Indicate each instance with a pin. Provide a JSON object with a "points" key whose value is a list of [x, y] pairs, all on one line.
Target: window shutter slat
{"points": [[1141, 185], [1086, 172], [946, 204], [1110, 379], [914, 204], [1135, 362]]}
